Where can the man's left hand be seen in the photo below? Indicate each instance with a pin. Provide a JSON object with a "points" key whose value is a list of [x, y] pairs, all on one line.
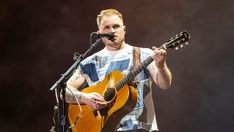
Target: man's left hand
{"points": [[159, 57]]}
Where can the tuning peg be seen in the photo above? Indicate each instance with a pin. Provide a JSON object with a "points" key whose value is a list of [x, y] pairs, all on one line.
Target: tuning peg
{"points": [[186, 43], [176, 48], [181, 46]]}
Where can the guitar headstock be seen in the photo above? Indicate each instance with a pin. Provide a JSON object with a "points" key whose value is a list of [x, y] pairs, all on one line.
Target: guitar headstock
{"points": [[177, 42]]}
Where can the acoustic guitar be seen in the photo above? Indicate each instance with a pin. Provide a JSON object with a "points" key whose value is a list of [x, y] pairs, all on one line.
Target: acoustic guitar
{"points": [[120, 96]]}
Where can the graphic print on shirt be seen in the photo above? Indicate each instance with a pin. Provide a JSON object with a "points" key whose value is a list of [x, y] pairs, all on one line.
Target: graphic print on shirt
{"points": [[118, 65], [141, 79], [90, 70], [101, 61]]}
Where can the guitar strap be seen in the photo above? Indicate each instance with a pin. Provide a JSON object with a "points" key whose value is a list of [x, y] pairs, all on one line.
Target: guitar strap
{"points": [[136, 56], [136, 59]]}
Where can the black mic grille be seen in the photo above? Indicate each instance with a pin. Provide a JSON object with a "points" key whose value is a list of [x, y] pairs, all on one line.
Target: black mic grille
{"points": [[109, 35]]}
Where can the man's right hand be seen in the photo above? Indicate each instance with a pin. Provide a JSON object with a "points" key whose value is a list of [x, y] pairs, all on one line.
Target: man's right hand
{"points": [[94, 100]]}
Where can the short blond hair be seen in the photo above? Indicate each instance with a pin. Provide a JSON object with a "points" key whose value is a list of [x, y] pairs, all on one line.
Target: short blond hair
{"points": [[108, 12]]}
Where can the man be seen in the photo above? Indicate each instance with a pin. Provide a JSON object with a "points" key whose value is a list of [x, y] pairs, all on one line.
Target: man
{"points": [[118, 55]]}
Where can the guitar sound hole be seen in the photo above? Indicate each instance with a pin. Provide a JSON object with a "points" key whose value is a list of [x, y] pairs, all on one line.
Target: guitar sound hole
{"points": [[109, 94]]}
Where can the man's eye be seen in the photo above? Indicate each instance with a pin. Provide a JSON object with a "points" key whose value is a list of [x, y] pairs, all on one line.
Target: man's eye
{"points": [[116, 26], [106, 27]]}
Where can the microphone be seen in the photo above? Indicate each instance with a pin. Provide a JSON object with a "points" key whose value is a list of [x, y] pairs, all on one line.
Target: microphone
{"points": [[109, 35]]}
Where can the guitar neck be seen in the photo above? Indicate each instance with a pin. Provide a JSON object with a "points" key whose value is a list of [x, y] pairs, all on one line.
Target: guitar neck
{"points": [[173, 43]]}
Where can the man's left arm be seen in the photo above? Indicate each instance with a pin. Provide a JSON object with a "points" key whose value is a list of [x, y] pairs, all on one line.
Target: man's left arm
{"points": [[159, 71]]}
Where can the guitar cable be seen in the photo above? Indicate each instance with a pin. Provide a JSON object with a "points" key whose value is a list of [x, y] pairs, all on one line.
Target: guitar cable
{"points": [[55, 111], [78, 107]]}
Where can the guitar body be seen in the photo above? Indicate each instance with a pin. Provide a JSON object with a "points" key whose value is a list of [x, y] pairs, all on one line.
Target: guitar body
{"points": [[106, 119]]}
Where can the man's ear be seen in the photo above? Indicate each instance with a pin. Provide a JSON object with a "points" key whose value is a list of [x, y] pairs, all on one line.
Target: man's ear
{"points": [[125, 28]]}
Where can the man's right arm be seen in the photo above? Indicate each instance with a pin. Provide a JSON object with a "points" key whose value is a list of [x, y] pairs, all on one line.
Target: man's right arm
{"points": [[75, 82], [93, 99]]}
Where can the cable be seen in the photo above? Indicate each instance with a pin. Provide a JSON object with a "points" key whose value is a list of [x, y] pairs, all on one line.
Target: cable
{"points": [[55, 112], [54, 126], [91, 38], [79, 107]]}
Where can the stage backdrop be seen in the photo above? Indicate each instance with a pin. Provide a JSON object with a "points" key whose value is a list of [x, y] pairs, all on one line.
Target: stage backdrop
{"points": [[38, 39]]}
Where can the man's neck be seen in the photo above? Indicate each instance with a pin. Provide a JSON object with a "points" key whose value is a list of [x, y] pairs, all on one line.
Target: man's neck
{"points": [[116, 48]]}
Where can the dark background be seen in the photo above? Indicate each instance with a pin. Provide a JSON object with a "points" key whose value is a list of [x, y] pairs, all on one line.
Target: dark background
{"points": [[38, 39]]}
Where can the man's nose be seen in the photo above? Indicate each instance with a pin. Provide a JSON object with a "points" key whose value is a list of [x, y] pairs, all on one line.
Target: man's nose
{"points": [[112, 30]]}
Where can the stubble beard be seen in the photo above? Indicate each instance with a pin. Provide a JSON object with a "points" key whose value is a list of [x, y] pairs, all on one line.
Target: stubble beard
{"points": [[116, 44]]}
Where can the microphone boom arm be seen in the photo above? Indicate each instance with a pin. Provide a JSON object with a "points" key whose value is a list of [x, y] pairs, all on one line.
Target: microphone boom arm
{"points": [[67, 74]]}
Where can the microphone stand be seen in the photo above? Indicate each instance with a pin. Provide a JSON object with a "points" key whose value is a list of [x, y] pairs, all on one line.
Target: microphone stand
{"points": [[60, 86]]}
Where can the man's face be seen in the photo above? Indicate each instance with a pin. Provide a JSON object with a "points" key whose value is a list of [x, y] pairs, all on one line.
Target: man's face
{"points": [[113, 24]]}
